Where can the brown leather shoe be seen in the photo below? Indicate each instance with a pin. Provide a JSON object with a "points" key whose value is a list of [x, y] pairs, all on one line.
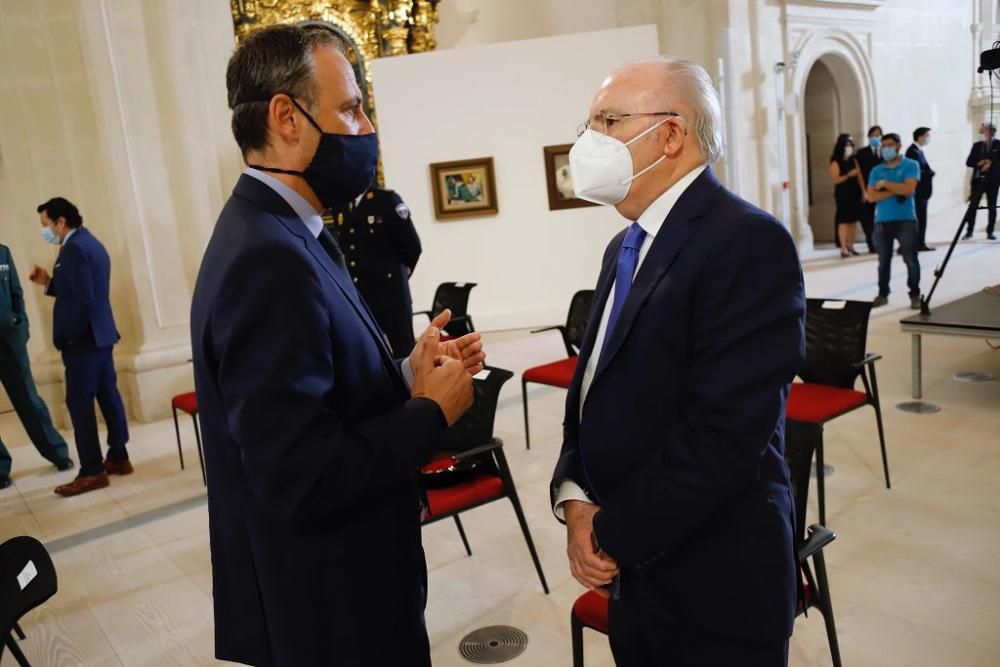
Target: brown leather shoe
{"points": [[83, 484], [118, 467]]}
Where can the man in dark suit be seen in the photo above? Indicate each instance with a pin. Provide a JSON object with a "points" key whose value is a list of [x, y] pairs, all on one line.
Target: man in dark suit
{"points": [[381, 248], [921, 138], [985, 178], [15, 375], [84, 331], [867, 158], [313, 432], [671, 478]]}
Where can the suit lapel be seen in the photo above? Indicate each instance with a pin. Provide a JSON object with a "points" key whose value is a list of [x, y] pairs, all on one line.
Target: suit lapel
{"points": [[676, 230]]}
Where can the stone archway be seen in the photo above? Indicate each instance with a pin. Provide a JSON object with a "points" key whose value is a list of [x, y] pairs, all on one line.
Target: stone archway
{"points": [[842, 55]]}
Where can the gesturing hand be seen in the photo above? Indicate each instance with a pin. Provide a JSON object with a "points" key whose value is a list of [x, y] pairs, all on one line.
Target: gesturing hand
{"points": [[468, 349], [592, 567], [441, 379], [39, 276]]}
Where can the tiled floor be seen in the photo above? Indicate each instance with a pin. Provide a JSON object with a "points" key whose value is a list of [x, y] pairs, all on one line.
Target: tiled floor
{"points": [[913, 572]]}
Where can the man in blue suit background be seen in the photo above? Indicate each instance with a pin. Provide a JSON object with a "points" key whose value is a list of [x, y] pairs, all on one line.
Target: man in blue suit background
{"points": [[84, 331], [313, 432], [671, 478]]}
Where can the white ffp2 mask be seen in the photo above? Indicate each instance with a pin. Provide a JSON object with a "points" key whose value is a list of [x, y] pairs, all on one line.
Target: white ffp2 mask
{"points": [[601, 166]]}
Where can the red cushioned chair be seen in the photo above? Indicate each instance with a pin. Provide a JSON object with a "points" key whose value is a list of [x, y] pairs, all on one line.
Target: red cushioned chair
{"points": [[470, 440], [188, 404], [559, 373], [836, 334], [456, 297], [801, 439]]}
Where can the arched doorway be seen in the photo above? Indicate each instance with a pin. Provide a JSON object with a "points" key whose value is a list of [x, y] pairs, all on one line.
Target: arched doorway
{"points": [[831, 105]]}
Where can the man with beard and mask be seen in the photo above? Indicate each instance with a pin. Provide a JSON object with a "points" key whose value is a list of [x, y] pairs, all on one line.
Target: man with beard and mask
{"points": [[313, 432], [674, 429], [985, 178]]}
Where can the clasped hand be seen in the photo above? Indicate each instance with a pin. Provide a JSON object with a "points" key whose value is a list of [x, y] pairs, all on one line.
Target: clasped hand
{"points": [[442, 371]]}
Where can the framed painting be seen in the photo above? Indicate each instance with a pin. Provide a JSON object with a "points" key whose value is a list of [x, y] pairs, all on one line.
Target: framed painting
{"points": [[464, 189], [559, 179]]}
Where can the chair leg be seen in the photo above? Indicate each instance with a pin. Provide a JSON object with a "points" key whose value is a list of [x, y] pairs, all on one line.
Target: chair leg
{"points": [[15, 651], [576, 631], [461, 533], [820, 477], [201, 455], [826, 607], [512, 494], [881, 430], [19, 632], [177, 430], [524, 399]]}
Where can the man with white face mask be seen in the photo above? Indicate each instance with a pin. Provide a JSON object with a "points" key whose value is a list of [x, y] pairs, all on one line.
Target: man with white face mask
{"points": [[673, 436]]}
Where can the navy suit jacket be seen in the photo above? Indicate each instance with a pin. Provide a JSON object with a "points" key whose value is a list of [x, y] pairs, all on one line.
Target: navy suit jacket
{"points": [[980, 151], [925, 186], [682, 437], [81, 284], [311, 448]]}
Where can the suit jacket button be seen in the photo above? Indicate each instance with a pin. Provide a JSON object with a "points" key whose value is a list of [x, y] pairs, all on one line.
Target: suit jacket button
{"points": [[352, 262], [389, 275], [355, 280]]}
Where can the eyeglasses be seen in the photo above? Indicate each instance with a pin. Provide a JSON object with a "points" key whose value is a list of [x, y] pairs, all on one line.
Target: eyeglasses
{"points": [[603, 122]]}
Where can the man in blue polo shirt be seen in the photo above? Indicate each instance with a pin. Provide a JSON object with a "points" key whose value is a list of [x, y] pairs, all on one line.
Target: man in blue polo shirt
{"points": [[891, 186]]}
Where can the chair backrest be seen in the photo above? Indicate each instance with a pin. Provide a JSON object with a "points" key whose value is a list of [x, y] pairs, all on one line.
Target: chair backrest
{"points": [[475, 428], [801, 439], [579, 313], [454, 296], [836, 336], [27, 579]]}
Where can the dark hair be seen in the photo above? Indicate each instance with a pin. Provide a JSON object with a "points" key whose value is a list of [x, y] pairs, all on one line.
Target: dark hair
{"points": [[276, 59], [873, 128], [57, 207], [838, 148], [919, 132], [892, 136]]}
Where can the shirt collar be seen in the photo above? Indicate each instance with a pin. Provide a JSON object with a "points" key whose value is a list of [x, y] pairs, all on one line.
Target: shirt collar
{"points": [[69, 234], [656, 213], [309, 216]]}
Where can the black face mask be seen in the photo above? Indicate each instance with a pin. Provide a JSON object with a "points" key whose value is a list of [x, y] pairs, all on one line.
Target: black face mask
{"points": [[343, 167]]}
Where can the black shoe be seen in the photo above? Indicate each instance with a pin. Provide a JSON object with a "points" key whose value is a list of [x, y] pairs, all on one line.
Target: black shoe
{"points": [[967, 236], [914, 303], [65, 464], [880, 301], [927, 248], [991, 237], [4, 481]]}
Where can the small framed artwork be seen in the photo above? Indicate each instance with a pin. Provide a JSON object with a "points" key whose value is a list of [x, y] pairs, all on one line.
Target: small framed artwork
{"points": [[464, 189], [559, 180]]}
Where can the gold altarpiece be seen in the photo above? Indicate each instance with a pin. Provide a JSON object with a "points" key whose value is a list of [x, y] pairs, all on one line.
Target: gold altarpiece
{"points": [[372, 29]]}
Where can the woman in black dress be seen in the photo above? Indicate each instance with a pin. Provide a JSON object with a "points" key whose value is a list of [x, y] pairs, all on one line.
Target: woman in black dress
{"points": [[846, 193]]}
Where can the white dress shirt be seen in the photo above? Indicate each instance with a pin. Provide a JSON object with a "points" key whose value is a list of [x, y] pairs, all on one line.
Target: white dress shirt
{"points": [[651, 220]]}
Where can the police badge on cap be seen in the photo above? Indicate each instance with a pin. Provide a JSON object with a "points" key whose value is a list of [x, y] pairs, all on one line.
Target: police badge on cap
{"points": [[402, 210]]}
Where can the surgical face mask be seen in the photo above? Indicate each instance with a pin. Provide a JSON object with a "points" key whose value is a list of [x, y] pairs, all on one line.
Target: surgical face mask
{"points": [[927, 141], [50, 236], [874, 142], [848, 151], [983, 136], [601, 166], [889, 153], [342, 168]]}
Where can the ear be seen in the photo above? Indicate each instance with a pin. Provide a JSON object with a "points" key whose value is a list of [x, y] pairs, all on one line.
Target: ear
{"points": [[282, 119], [676, 133]]}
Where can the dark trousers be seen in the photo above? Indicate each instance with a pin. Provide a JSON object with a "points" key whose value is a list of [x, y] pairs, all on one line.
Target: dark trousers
{"points": [[634, 644], [90, 375], [921, 203], [905, 231], [15, 374], [867, 224], [990, 189]]}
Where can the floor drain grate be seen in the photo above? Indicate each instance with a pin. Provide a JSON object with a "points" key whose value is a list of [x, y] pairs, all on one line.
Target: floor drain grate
{"points": [[493, 644], [974, 376]]}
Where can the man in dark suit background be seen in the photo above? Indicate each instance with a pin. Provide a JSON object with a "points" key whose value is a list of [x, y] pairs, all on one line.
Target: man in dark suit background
{"points": [[925, 187], [313, 432], [84, 331], [867, 158], [15, 375], [381, 248], [671, 478], [985, 178]]}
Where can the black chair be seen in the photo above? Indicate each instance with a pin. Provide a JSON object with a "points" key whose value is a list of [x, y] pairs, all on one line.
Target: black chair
{"points": [[836, 335], [27, 579], [801, 439], [560, 373], [456, 297], [470, 442]]}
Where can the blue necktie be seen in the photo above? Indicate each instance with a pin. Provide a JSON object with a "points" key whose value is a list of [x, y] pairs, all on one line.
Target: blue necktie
{"points": [[628, 259]]}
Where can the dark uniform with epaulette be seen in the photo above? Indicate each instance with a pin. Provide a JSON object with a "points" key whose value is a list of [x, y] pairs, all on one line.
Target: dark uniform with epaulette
{"points": [[381, 248], [15, 374]]}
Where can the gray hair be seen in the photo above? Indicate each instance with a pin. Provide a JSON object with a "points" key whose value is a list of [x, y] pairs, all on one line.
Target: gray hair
{"points": [[689, 82], [277, 59]]}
